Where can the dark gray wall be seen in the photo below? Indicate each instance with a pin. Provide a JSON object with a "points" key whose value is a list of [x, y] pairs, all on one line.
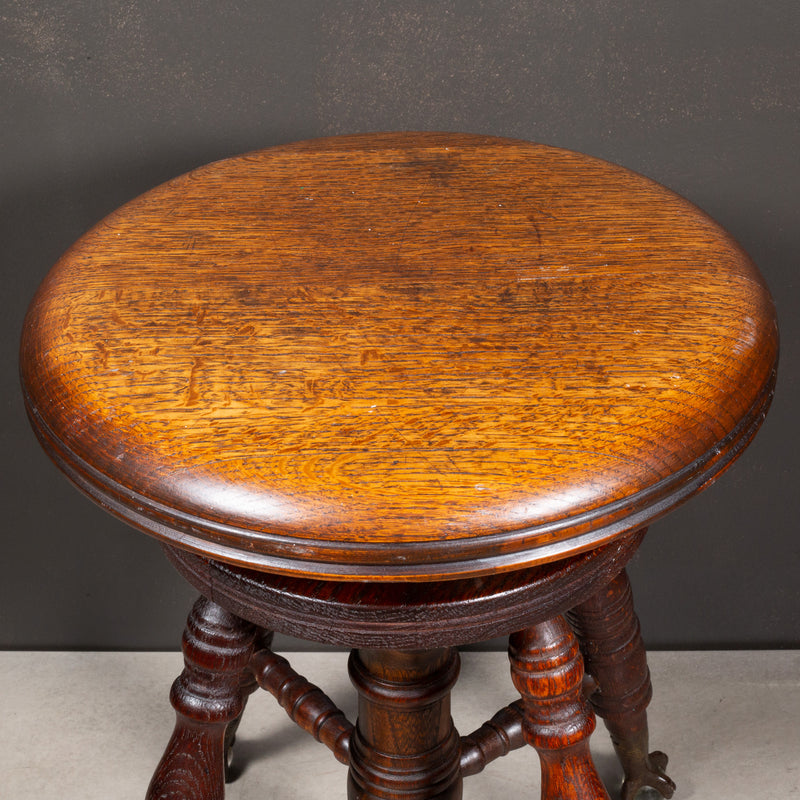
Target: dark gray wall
{"points": [[101, 100]]}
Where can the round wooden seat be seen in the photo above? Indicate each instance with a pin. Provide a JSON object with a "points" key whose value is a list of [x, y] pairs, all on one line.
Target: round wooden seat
{"points": [[403, 392], [399, 356]]}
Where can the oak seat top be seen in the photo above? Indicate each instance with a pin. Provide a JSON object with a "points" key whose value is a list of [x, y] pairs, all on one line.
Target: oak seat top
{"points": [[399, 356]]}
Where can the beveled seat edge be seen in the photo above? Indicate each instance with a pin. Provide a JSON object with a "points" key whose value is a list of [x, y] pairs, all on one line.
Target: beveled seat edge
{"points": [[422, 561]]}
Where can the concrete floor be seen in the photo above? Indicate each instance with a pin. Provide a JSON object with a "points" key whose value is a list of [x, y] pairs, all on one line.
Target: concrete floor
{"points": [[93, 725]]}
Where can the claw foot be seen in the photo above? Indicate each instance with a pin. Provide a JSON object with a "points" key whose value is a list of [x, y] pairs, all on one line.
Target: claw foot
{"points": [[651, 773]]}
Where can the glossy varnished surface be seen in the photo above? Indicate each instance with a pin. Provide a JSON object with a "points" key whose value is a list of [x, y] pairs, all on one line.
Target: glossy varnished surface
{"points": [[399, 356]]}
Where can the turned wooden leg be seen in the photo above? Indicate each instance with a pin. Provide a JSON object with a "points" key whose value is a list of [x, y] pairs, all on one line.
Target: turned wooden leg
{"points": [[247, 684], [547, 670], [207, 697], [404, 746], [614, 655]]}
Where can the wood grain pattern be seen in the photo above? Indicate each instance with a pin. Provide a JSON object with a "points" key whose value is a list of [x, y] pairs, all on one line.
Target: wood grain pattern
{"points": [[208, 697], [400, 356], [547, 669], [406, 615], [404, 745]]}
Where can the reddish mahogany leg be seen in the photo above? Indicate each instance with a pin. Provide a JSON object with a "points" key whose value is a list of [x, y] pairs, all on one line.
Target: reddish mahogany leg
{"points": [[614, 655], [207, 696], [404, 746], [547, 670]]}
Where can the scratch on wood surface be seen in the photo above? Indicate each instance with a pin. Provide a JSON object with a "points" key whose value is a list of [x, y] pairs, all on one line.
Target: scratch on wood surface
{"points": [[192, 393]]}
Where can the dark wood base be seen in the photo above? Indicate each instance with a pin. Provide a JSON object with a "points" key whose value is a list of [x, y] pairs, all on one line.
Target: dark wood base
{"points": [[614, 655], [404, 745], [209, 698]]}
